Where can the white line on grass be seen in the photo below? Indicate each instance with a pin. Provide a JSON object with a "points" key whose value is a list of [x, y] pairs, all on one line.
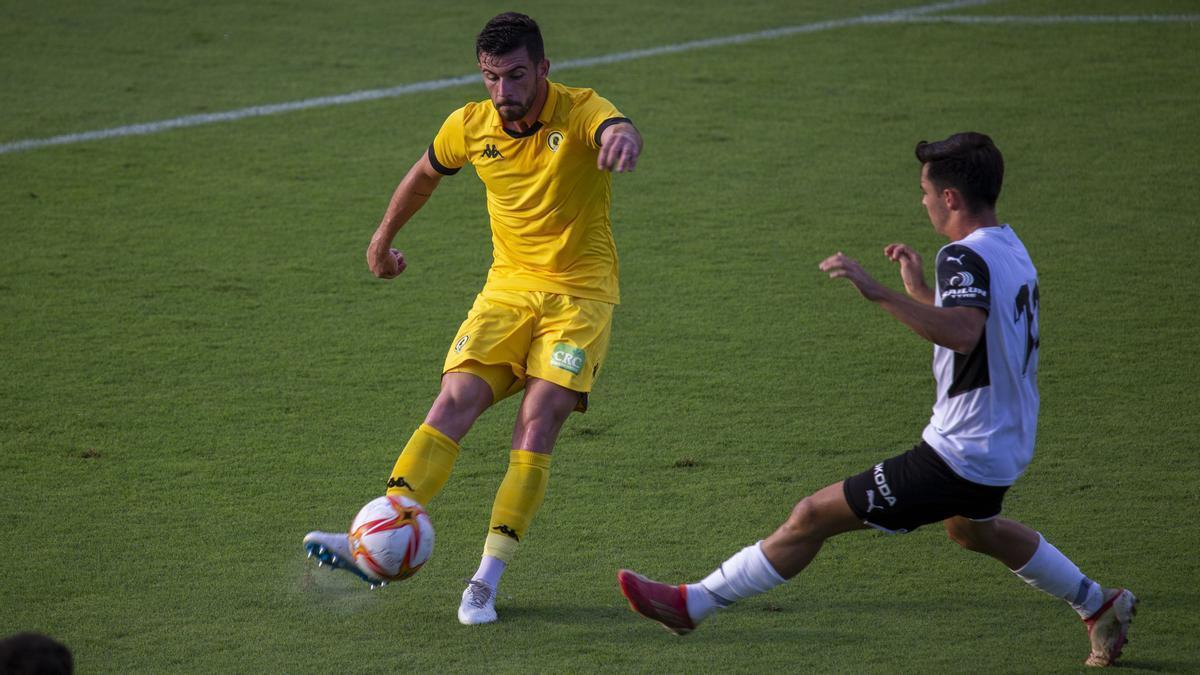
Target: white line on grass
{"points": [[913, 15], [1054, 19], [433, 85]]}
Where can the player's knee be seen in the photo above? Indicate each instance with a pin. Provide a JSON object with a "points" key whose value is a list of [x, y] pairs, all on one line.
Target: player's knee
{"points": [[456, 408], [545, 415], [804, 520], [540, 422], [967, 537]]}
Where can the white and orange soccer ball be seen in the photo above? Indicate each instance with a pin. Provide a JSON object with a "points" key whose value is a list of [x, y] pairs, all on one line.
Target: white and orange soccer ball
{"points": [[390, 538]]}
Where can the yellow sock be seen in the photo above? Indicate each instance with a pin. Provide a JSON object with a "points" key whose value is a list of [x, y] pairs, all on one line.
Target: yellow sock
{"points": [[520, 494], [423, 465]]}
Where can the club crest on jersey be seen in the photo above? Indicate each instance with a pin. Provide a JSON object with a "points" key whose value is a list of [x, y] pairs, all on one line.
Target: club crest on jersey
{"points": [[462, 342], [554, 140], [568, 358]]}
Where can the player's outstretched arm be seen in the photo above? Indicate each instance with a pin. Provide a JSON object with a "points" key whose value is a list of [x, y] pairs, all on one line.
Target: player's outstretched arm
{"points": [[412, 193], [957, 328], [620, 147], [912, 271]]}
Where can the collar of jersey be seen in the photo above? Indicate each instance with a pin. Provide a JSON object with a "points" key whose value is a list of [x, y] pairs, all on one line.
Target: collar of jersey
{"points": [[543, 117]]}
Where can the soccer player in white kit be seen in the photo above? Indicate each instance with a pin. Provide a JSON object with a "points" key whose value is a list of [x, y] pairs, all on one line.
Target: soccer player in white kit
{"points": [[982, 318]]}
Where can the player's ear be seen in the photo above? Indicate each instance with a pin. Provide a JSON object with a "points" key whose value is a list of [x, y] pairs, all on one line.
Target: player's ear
{"points": [[953, 199], [543, 68]]}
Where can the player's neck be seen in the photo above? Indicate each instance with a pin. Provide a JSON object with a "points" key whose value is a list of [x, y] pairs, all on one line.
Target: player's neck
{"points": [[962, 224], [525, 123]]}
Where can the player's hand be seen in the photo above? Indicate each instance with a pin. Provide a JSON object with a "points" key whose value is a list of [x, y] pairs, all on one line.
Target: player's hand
{"points": [[841, 266], [385, 263], [912, 270], [620, 151]]}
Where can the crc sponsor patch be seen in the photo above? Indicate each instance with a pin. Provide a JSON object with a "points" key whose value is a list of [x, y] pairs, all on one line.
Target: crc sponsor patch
{"points": [[568, 358]]}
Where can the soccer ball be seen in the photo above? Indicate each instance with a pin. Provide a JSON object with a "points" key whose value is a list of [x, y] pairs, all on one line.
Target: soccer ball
{"points": [[390, 538]]}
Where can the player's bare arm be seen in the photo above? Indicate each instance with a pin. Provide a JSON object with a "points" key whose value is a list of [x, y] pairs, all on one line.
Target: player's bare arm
{"points": [[412, 193], [620, 146], [912, 271], [957, 328]]}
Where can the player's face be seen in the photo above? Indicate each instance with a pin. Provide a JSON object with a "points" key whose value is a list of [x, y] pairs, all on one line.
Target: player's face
{"points": [[512, 81], [931, 199]]}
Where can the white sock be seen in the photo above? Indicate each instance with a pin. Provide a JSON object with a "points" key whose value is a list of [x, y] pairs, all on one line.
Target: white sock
{"points": [[700, 603], [490, 569], [1051, 571], [746, 573]]}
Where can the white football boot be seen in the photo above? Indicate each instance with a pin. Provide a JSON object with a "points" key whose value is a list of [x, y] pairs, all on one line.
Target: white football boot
{"points": [[1108, 628], [478, 604], [333, 549]]}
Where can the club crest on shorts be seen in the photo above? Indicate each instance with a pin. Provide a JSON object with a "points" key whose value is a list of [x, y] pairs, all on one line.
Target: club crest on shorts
{"points": [[568, 358], [462, 342], [554, 140]]}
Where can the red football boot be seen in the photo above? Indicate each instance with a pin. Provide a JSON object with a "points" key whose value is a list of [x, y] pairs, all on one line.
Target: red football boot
{"points": [[664, 603]]}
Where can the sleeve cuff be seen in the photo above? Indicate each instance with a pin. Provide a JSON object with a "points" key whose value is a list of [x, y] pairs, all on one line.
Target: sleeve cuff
{"points": [[608, 123], [438, 166]]}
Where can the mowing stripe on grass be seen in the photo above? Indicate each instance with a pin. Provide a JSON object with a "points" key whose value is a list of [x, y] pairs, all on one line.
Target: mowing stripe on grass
{"points": [[433, 85]]}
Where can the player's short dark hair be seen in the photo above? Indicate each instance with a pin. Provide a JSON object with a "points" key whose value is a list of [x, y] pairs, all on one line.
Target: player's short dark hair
{"points": [[968, 162], [508, 32], [34, 653]]}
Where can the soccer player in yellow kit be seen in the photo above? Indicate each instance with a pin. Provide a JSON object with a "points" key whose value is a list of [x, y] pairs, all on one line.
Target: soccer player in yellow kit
{"points": [[544, 152]]}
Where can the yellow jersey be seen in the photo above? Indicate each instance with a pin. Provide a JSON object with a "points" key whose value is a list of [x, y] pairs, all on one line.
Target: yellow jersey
{"points": [[547, 201]]}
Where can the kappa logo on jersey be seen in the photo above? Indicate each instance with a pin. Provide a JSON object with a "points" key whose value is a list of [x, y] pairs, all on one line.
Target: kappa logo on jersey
{"points": [[507, 531], [885, 490], [462, 342], [554, 140], [491, 152], [568, 358]]}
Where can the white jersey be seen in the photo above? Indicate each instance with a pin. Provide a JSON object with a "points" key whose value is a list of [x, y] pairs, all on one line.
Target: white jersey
{"points": [[985, 417]]}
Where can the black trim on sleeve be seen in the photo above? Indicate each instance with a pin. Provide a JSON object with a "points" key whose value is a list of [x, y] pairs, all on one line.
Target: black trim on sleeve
{"points": [[438, 166], [608, 123]]}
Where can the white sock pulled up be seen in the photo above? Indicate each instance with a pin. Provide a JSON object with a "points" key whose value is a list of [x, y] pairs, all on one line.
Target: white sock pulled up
{"points": [[746, 573], [1051, 571]]}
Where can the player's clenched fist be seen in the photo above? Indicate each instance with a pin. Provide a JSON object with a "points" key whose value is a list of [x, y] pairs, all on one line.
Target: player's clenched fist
{"points": [[385, 263], [620, 146]]}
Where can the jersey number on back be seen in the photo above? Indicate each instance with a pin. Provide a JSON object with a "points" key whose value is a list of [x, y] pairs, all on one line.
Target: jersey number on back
{"points": [[1027, 308]]}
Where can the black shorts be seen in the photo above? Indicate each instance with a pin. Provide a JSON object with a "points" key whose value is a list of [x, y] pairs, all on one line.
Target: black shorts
{"points": [[917, 488]]}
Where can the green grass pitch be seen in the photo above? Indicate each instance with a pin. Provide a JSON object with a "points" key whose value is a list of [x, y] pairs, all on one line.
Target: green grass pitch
{"points": [[196, 366]]}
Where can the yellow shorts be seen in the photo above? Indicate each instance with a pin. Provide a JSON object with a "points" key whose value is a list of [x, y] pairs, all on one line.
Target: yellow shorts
{"points": [[549, 336]]}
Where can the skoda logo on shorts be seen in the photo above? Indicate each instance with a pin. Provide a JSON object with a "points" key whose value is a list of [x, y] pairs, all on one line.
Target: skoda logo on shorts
{"points": [[554, 140], [462, 342], [568, 358]]}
